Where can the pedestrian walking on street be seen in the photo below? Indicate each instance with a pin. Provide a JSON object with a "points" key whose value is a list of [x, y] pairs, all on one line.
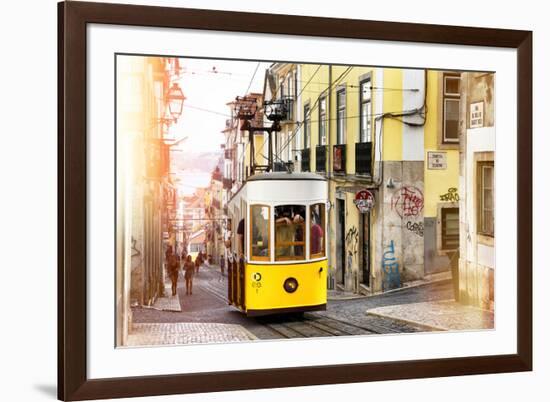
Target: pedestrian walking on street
{"points": [[189, 268], [173, 268], [167, 255], [168, 252], [222, 264], [198, 262]]}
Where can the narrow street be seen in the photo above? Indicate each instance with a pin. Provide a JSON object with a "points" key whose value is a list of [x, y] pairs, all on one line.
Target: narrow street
{"points": [[285, 174], [206, 317]]}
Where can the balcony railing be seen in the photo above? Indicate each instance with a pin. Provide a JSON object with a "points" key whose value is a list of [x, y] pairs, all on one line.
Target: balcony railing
{"points": [[306, 154], [363, 158], [289, 105], [227, 183], [339, 158], [321, 158]]}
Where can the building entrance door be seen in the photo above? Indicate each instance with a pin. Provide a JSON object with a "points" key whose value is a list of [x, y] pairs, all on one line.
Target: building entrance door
{"points": [[340, 239], [365, 248]]}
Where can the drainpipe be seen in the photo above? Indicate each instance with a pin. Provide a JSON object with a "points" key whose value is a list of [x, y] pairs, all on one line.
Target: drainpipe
{"points": [[329, 169]]}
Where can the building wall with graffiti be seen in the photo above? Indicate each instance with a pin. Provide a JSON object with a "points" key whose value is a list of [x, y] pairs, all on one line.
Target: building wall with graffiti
{"points": [[405, 117], [402, 226], [402, 210]]}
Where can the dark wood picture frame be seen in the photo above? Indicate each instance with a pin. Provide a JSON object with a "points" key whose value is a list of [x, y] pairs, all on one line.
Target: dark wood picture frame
{"points": [[73, 17]]}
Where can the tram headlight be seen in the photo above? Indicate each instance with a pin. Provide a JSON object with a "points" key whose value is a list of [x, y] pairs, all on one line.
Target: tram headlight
{"points": [[290, 285]]}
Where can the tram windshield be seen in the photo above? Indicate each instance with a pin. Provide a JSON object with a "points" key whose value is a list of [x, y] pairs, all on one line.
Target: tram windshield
{"points": [[317, 230], [259, 232], [290, 232]]}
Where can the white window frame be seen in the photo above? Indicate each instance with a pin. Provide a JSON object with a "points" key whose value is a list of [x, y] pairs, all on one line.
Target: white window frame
{"points": [[323, 121], [482, 186], [362, 101], [341, 119], [453, 97], [307, 126]]}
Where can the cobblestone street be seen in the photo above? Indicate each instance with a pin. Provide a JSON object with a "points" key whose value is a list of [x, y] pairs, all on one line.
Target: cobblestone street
{"points": [[206, 317]]}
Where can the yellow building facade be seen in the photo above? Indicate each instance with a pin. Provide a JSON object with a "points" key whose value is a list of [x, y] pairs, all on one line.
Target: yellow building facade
{"points": [[386, 132], [381, 130]]}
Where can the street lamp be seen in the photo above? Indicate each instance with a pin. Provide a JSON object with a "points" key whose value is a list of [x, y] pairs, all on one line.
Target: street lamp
{"points": [[175, 100]]}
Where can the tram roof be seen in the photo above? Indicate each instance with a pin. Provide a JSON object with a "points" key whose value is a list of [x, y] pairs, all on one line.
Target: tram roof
{"points": [[286, 176], [259, 187]]}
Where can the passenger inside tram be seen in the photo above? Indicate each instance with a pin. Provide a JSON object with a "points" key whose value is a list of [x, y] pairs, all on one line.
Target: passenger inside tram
{"points": [[289, 232], [260, 231]]}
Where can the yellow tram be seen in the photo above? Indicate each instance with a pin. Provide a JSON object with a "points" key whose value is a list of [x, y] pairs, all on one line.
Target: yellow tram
{"points": [[278, 224]]}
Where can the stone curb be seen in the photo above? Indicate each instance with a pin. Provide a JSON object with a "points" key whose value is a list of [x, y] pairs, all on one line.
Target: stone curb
{"points": [[348, 297], [416, 285], [405, 321], [157, 308]]}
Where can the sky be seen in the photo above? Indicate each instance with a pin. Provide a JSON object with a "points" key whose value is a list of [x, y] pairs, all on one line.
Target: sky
{"points": [[205, 89]]}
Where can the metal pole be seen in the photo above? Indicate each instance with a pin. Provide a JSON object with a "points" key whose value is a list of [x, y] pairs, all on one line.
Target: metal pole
{"points": [[270, 151], [252, 155], [332, 212]]}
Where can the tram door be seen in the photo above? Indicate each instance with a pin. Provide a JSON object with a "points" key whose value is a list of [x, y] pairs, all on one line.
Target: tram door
{"points": [[237, 276], [241, 283], [230, 274], [340, 239], [235, 282]]}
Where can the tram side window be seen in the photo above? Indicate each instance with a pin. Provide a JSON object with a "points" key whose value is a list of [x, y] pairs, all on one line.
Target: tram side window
{"points": [[259, 232], [290, 232], [317, 230]]}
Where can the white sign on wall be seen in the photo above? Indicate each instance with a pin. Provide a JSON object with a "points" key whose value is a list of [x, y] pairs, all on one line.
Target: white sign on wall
{"points": [[437, 160], [476, 115]]}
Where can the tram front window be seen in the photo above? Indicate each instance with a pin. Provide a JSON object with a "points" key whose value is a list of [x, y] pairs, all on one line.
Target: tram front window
{"points": [[290, 232], [259, 232]]}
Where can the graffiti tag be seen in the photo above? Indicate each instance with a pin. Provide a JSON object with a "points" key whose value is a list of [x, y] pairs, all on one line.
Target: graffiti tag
{"points": [[451, 195], [416, 227], [408, 201], [135, 251], [390, 269], [352, 239]]}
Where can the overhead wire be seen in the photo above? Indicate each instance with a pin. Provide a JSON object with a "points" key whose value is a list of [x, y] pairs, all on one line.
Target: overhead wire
{"points": [[328, 89], [297, 96]]}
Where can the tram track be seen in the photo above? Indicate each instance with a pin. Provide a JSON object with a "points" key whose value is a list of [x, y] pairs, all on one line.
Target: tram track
{"points": [[214, 291], [309, 325], [370, 327], [342, 328]]}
